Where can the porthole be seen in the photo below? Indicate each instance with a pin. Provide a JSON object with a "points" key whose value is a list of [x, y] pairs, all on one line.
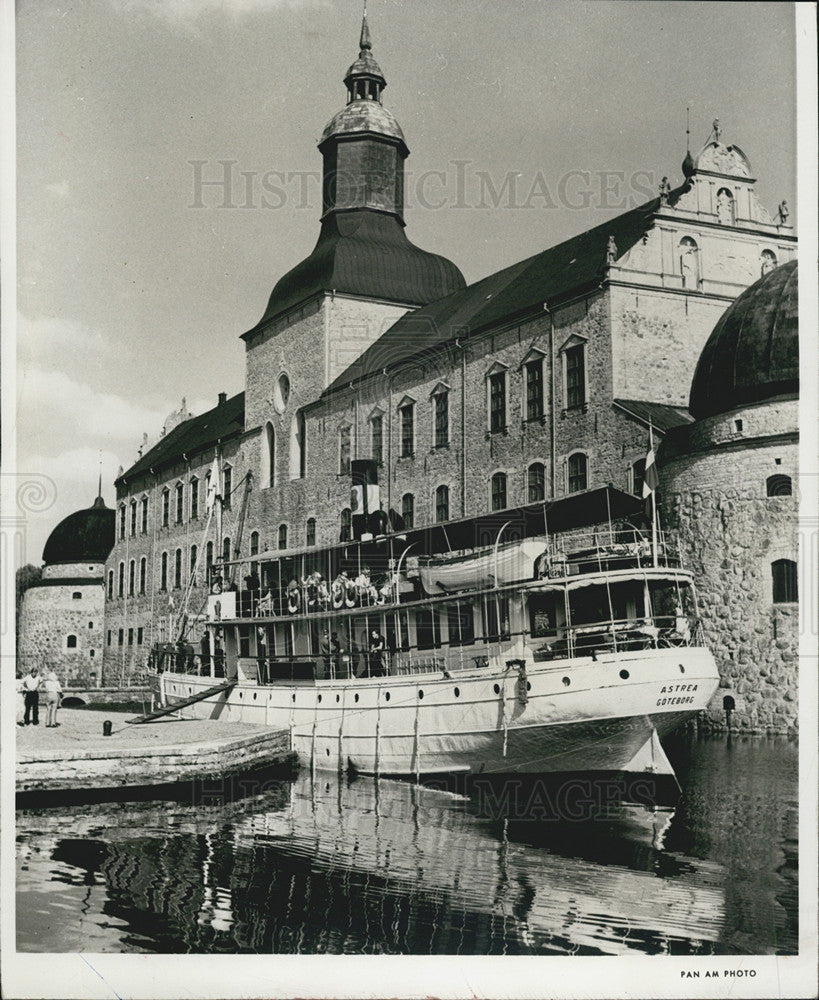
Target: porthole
{"points": [[457, 693], [682, 669], [420, 694], [254, 695], [496, 689], [240, 694], [528, 685], [356, 697], [319, 699], [338, 698], [624, 674], [293, 696], [327, 751], [566, 681], [387, 696]]}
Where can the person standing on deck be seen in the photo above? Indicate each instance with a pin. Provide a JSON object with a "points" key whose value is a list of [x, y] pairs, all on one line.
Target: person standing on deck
{"points": [[53, 692], [377, 645], [31, 691]]}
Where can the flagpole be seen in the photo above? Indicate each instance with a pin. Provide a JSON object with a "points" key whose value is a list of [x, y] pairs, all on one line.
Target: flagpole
{"points": [[653, 503]]}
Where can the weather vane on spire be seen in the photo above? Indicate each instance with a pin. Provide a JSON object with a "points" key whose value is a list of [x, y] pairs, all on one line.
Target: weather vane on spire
{"points": [[366, 41]]}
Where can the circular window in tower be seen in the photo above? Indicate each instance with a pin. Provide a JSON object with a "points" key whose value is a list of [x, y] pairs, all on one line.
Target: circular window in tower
{"points": [[281, 392]]}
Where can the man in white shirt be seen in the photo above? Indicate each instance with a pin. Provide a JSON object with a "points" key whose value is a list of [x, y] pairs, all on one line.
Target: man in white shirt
{"points": [[31, 693]]}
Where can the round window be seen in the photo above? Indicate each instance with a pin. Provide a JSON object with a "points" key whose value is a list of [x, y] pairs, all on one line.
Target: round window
{"points": [[281, 392]]}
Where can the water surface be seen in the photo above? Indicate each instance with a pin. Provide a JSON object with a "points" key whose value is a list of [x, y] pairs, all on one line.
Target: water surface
{"points": [[364, 867]]}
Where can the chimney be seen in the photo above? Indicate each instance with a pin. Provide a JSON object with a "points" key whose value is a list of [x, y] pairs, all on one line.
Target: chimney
{"points": [[222, 398]]}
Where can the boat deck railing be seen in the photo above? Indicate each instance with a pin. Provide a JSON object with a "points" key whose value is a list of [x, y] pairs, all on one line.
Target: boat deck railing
{"points": [[561, 642], [608, 549]]}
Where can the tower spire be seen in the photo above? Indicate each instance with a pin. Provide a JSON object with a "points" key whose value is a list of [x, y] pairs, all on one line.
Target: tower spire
{"points": [[688, 166], [366, 42]]}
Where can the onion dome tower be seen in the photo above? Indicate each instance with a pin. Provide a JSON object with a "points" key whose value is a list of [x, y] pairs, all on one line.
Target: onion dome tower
{"points": [[362, 248], [752, 354], [86, 536]]}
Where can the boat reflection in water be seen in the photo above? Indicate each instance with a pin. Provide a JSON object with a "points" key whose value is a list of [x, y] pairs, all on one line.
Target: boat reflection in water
{"points": [[386, 866]]}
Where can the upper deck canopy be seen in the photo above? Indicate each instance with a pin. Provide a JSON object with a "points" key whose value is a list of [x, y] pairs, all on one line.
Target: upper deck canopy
{"points": [[579, 510]]}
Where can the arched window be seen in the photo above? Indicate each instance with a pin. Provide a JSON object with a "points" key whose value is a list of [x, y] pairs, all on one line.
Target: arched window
{"points": [[227, 486], [578, 472], [70, 642], [194, 556], [637, 476], [122, 521], [499, 491], [180, 503], [208, 560], [442, 503], [408, 510], [310, 535], [377, 437], [768, 261], [779, 486], [194, 498], [254, 543], [282, 536], [536, 482], [725, 207], [269, 456], [345, 438], [166, 507], [133, 517], [110, 583], [345, 534], [690, 263], [144, 527], [121, 580], [785, 586], [177, 569], [143, 574], [298, 446], [226, 549], [406, 414], [163, 572], [440, 404], [131, 577]]}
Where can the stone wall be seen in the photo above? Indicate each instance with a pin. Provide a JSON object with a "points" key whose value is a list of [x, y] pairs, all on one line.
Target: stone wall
{"points": [[731, 532], [49, 615]]}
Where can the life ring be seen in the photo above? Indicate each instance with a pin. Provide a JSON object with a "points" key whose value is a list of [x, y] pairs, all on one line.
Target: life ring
{"points": [[350, 594], [337, 591], [293, 600]]}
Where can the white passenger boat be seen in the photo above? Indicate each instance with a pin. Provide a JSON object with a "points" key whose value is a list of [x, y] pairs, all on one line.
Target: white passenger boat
{"points": [[552, 639]]}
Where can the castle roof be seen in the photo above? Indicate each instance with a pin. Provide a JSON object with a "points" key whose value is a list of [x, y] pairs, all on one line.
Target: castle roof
{"points": [[365, 253], [753, 351], [82, 537], [192, 436], [577, 263]]}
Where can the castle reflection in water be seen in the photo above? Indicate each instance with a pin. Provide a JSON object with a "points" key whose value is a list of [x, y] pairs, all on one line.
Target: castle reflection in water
{"points": [[336, 866]]}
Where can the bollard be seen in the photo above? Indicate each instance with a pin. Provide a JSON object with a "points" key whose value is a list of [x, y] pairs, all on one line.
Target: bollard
{"points": [[106, 727]]}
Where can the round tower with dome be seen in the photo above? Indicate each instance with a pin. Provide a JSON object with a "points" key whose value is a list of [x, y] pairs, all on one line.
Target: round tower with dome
{"points": [[62, 615], [729, 487]]}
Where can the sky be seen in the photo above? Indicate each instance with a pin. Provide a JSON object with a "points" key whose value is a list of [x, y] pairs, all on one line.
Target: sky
{"points": [[528, 121]]}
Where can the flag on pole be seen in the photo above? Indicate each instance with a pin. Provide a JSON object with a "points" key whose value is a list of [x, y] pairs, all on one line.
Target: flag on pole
{"points": [[650, 478], [213, 486]]}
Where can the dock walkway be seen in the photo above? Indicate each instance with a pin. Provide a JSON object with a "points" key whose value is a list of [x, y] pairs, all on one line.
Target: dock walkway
{"points": [[76, 756]]}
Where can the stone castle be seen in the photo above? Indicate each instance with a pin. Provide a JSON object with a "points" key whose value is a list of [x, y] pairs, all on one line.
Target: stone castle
{"points": [[537, 381]]}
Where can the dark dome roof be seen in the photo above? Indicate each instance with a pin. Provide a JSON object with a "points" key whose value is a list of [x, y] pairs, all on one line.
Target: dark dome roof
{"points": [[753, 351], [84, 536]]}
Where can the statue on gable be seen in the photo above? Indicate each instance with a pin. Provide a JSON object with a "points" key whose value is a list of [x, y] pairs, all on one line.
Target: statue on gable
{"points": [[783, 212], [665, 191], [611, 251]]}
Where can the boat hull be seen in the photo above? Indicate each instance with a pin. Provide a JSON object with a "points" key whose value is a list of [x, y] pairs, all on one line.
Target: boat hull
{"points": [[574, 716]]}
